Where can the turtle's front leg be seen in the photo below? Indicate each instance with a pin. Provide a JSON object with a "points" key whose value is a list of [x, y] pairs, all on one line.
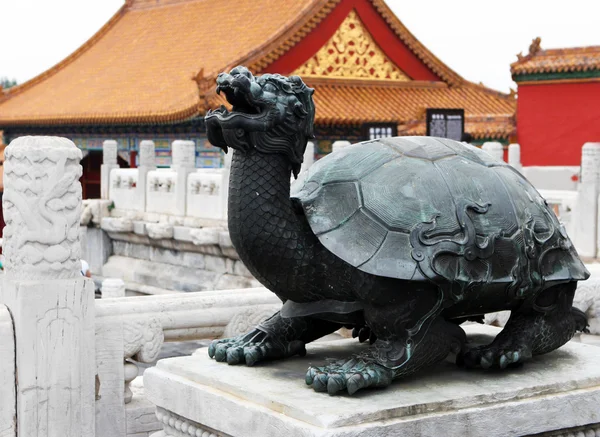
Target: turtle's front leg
{"points": [[398, 351], [275, 338]]}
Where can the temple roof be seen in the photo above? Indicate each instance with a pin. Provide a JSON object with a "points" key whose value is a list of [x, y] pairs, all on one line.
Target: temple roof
{"points": [[156, 61], [567, 60], [489, 114]]}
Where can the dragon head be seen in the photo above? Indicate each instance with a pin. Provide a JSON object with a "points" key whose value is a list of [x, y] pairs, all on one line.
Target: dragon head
{"points": [[270, 113]]}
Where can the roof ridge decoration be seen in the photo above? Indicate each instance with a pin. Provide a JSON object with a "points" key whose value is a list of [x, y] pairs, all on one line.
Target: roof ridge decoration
{"points": [[351, 53], [534, 48], [574, 63]]}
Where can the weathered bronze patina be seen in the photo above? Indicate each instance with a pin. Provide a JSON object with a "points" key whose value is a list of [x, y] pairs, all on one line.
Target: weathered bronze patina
{"points": [[402, 239]]}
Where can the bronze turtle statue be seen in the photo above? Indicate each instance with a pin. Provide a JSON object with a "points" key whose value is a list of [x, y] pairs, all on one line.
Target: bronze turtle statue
{"points": [[400, 238]]}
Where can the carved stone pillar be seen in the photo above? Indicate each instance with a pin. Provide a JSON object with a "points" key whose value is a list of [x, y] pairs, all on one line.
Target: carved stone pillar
{"points": [[113, 287], [51, 303], [309, 156], [495, 149], [183, 162], [109, 161], [338, 145], [586, 224], [514, 156], [590, 163], [7, 375], [147, 163]]}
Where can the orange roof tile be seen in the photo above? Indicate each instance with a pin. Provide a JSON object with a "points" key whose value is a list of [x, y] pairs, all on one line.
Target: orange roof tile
{"points": [[556, 60], [140, 65], [480, 127], [156, 61], [488, 114]]}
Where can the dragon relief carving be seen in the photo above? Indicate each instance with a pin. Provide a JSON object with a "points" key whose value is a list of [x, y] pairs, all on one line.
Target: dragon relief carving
{"points": [[42, 208], [142, 339]]}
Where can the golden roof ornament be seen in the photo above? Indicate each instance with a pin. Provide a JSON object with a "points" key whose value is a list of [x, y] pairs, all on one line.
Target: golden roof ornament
{"points": [[351, 53]]}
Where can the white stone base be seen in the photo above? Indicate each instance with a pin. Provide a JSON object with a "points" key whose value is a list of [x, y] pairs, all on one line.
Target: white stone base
{"points": [[554, 393], [55, 349], [140, 413]]}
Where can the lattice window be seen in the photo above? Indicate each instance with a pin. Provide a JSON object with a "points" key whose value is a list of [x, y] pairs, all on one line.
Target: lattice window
{"points": [[376, 132]]}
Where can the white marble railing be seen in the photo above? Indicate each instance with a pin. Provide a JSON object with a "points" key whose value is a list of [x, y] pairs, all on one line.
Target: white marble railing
{"points": [[183, 191], [7, 375], [564, 204], [123, 188], [50, 304], [135, 328], [161, 195], [180, 191], [205, 194], [553, 177]]}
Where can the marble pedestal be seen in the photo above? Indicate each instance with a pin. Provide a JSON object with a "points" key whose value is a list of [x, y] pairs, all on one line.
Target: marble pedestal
{"points": [[555, 394]]}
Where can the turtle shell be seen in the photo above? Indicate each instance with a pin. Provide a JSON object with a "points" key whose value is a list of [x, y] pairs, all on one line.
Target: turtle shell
{"points": [[423, 208]]}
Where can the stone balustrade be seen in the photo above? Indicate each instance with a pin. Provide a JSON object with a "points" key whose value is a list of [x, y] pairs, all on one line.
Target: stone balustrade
{"points": [[179, 190], [8, 425], [339, 145], [495, 149], [514, 156], [553, 177], [161, 192], [164, 222], [109, 163], [564, 204], [50, 304], [205, 197], [123, 188], [147, 163], [112, 288], [133, 329]]}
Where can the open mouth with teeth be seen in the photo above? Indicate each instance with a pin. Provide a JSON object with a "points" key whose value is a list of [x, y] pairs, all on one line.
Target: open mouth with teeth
{"points": [[248, 112], [238, 93]]}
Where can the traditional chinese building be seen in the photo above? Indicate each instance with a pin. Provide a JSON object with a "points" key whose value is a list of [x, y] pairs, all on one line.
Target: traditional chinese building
{"points": [[557, 110], [150, 72]]}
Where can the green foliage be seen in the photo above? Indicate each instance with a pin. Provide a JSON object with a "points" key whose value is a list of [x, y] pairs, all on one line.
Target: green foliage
{"points": [[5, 82]]}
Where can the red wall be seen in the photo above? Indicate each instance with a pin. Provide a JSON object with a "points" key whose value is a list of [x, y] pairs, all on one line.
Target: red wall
{"points": [[555, 120]]}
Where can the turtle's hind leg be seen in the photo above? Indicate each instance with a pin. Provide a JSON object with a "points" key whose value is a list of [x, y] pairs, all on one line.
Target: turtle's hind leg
{"points": [[548, 324], [408, 339]]}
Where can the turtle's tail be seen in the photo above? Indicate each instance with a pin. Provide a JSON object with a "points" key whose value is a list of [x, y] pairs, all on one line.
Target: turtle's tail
{"points": [[581, 321]]}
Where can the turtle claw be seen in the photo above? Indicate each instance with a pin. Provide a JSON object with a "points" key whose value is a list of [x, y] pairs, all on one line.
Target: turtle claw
{"points": [[253, 347], [350, 376], [320, 383], [310, 375], [364, 333], [500, 355]]}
